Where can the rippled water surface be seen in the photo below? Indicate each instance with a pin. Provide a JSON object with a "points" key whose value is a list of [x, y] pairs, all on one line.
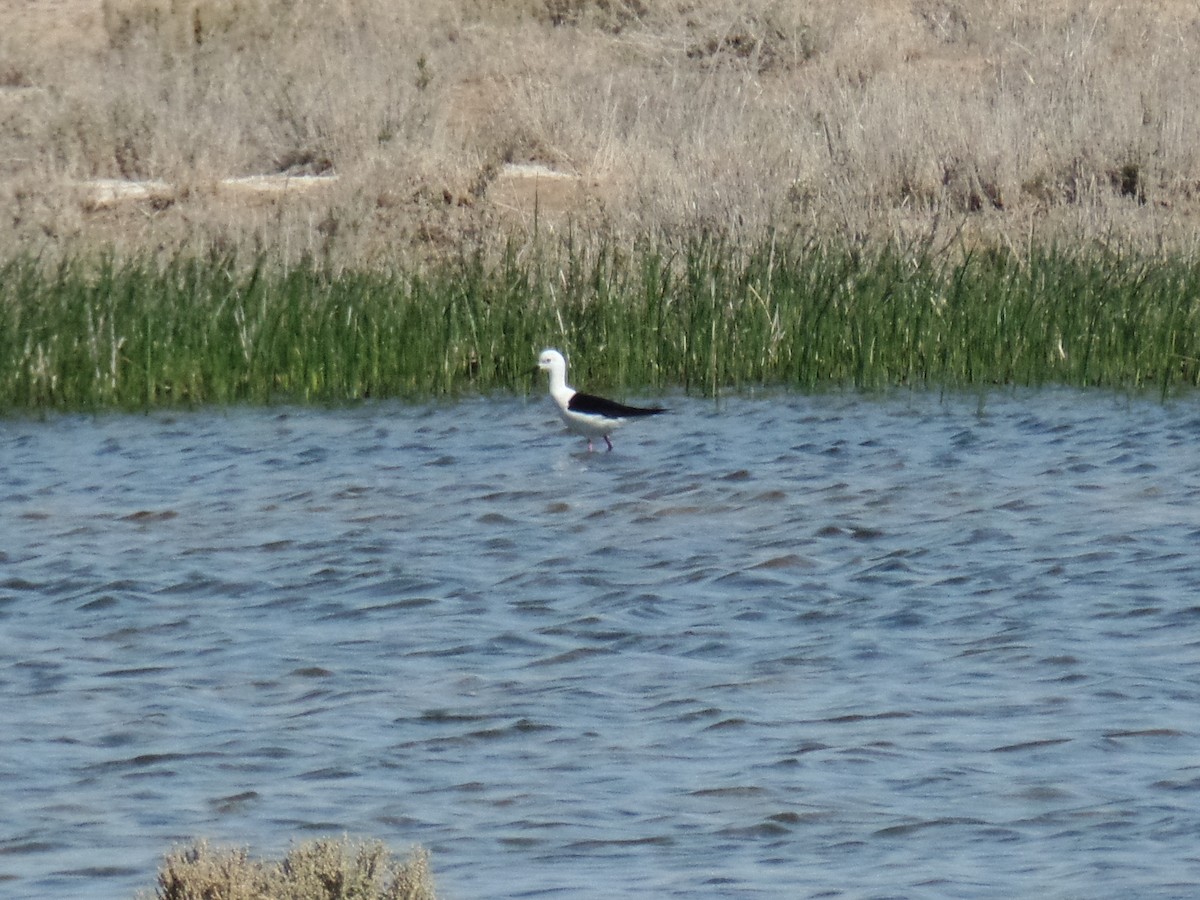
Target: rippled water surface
{"points": [[907, 646]]}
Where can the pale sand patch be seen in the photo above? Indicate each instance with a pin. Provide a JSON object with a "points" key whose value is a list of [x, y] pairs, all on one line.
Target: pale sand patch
{"points": [[532, 189], [534, 170], [102, 193], [277, 184]]}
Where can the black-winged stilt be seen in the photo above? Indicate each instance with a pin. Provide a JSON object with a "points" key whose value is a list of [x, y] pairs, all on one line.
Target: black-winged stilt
{"points": [[587, 414]]}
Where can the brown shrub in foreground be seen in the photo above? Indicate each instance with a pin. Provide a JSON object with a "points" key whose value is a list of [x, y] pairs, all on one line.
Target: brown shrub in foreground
{"points": [[314, 870]]}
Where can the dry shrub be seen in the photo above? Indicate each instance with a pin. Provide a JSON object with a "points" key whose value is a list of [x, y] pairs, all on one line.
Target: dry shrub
{"points": [[608, 15], [773, 37], [180, 24], [314, 870], [880, 118]]}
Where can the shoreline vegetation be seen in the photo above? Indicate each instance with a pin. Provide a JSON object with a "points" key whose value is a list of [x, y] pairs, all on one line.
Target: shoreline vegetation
{"points": [[249, 201], [704, 314], [361, 133], [326, 869]]}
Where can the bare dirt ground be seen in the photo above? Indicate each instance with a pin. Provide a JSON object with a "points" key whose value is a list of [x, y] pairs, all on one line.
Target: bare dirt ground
{"points": [[361, 132]]}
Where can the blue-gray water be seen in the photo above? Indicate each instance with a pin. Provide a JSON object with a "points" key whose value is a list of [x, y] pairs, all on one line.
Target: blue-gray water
{"points": [[888, 646]]}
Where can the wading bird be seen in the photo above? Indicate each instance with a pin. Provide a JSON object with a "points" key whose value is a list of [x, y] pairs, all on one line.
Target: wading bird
{"points": [[587, 414]]}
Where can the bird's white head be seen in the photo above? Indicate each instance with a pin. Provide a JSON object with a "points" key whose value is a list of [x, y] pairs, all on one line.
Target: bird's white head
{"points": [[553, 362]]}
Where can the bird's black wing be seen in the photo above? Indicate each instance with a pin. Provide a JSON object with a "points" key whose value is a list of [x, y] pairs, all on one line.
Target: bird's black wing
{"points": [[589, 404]]}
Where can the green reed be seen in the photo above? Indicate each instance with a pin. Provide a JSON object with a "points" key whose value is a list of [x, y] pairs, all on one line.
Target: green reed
{"points": [[704, 314]]}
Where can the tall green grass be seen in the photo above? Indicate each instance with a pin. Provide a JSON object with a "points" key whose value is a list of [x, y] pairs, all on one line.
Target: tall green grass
{"points": [[704, 314]]}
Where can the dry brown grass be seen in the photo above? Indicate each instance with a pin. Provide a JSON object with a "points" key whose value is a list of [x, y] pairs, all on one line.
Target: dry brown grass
{"points": [[1001, 121], [315, 870]]}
